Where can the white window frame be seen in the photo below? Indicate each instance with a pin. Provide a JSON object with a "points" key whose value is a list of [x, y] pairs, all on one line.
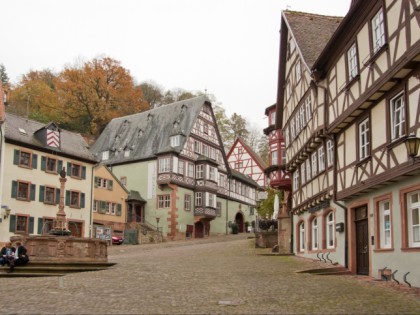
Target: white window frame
{"points": [[308, 108], [330, 153], [364, 139], [190, 170], [308, 170], [378, 31], [397, 109], [303, 173], [212, 173], [181, 167], [314, 165], [105, 155], [175, 141], [298, 69], [165, 165], [199, 199], [413, 219], [302, 116], [274, 157], [321, 159], [330, 230], [315, 234], [199, 171], [302, 237], [296, 180], [292, 129], [297, 123], [286, 133], [352, 62], [385, 224], [187, 202], [164, 201]]}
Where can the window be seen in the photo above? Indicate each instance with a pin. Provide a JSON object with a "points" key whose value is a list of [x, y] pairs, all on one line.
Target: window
{"points": [[302, 173], [123, 181], [126, 153], [296, 180], [292, 129], [181, 167], [283, 157], [197, 147], [413, 216], [76, 171], [212, 200], [274, 158], [113, 208], [302, 237], [51, 165], [96, 206], [222, 180], [187, 202], [21, 224], [105, 155], [292, 45], [175, 141], [352, 62], [330, 230], [23, 190], [330, 153], [164, 165], [206, 129], [308, 108], [199, 171], [25, 159], [364, 139], [272, 118], [298, 71], [314, 165], [212, 173], [212, 153], [198, 198], [286, 132], [321, 159], [297, 123], [385, 224], [315, 234], [238, 165], [74, 199], [101, 182], [302, 116], [164, 201], [397, 117], [205, 150], [108, 207], [219, 208], [47, 226], [308, 170], [49, 195], [191, 170], [378, 31]]}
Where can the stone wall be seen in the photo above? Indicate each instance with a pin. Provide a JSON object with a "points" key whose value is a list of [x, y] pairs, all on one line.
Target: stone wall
{"points": [[266, 239]]}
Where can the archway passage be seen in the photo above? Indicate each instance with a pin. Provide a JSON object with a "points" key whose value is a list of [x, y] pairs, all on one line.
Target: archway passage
{"points": [[239, 219], [198, 229]]}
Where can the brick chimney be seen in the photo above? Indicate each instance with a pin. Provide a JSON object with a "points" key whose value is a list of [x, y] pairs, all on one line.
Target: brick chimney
{"points": [[2, 108]]}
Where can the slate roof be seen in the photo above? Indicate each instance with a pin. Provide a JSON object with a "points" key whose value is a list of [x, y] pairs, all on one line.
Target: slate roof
{"points": [[71, 144], [148, 133], [312, 32], [244, 178], [134, 195]]}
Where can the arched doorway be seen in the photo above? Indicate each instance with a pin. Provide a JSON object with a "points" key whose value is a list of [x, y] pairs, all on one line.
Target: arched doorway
{"points": [[198, 229], [239, 219]]}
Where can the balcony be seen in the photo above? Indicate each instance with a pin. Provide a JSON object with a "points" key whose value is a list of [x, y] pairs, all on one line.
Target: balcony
{"points": [[205, 212]]}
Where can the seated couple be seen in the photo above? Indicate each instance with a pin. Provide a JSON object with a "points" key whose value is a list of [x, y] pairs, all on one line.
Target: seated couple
{"points": [[12, 256]]}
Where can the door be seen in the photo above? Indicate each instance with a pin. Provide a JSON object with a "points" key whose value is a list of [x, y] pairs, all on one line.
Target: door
{"points": [[75, 228], [239, 219], [362, 247], [199, 229]]}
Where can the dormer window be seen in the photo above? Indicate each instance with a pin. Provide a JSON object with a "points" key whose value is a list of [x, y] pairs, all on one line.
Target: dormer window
{"points": [[105, 155], [175, 141], [53, 138], [126, 153]]}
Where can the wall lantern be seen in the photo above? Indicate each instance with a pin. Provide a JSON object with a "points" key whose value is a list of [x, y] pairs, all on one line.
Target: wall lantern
{"points": [[412, 144], [6, 213]]}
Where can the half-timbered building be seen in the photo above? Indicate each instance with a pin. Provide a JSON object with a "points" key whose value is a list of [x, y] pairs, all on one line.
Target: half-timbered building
{"points": [[349, 102], [173, 156], [245, 160]]}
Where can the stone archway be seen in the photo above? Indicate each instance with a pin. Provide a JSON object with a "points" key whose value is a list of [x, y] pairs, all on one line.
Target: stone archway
{"points": [[239, 219], [198, 229]]}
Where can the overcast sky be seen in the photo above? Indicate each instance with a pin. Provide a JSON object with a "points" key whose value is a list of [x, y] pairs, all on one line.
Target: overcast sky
{"points": [[228, 47]]}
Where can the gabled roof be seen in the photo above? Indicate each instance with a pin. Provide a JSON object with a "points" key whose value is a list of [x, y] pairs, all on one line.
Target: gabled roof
{"points": [[244, 178], [113, 176], [148, 133], [255, 156], [22, 131], [311, 32]]}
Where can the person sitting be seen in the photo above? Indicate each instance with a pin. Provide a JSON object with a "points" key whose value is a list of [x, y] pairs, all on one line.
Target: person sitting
{"points": [[21, 256], [8, 256]]}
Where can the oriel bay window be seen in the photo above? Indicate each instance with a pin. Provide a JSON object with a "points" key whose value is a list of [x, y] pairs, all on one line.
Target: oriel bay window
{"points": [[199, 171], [198, 199], [165, 165]]}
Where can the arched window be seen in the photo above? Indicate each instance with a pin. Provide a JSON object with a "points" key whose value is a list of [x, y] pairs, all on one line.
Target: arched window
{"points": [[302, 237], [315, 238], [330, 230]]}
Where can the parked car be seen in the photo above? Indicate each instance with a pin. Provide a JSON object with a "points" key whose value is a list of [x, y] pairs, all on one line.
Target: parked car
{"points": [[117, 240]]}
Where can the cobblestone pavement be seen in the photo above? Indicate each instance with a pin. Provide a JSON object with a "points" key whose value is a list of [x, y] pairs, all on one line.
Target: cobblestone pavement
{"points": [[218, 275]]}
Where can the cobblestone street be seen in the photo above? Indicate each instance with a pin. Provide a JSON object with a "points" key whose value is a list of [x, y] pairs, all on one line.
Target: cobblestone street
{"points": [[217, 275]]}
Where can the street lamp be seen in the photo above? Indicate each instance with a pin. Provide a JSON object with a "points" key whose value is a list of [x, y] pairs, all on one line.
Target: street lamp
{"points": [[157, 223], [412, 144]]}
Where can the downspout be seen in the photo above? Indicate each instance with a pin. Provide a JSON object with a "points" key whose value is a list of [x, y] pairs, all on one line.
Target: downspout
{"points": [[91, 200]]}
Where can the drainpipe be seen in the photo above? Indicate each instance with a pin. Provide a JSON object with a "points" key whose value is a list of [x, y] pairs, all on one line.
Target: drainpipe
{"points": [[92, 181], [346, 245]]}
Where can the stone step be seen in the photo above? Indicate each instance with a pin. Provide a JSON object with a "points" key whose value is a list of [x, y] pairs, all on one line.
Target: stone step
{"points": [[326, 270], [29, 274], [46, 269]]}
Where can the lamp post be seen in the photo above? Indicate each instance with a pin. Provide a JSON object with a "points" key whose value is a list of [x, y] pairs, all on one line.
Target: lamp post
{"points": [[412, 144], [157, 223]]}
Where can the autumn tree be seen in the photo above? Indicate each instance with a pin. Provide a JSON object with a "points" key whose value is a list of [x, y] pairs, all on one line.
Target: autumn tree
{"points": [[4, 78], [94, 93], [152, 93]]}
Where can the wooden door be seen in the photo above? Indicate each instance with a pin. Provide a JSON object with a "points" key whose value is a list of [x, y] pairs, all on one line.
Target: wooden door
{"points": [[362, 247], [76, 228], [199, 229]]}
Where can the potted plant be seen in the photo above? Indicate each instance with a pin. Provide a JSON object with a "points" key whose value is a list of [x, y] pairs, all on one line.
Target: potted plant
{"points": [[235, 228]]}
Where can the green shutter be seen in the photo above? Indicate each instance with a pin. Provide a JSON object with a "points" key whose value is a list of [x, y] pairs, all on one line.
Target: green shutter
{"points": [[12, 223], [40, 225], [31, 225], [59, 166], [83, 172], [34, 161], [68, 168], [102, 205], [14, 189], [67, 198], [43, 163], [119, 207], [57, 196], [96, 182], [41, 193], [82, 200], [16, 157], [33, 188], [110, 183]]}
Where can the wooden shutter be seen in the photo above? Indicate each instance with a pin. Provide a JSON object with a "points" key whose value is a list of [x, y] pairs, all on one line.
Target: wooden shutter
{"points": [[32, 194], [41, 193], [40, 225], [67, 197], [82, 200], [12, 223], [16, 157], [14, 189], [43, 163], [57, 196], [68, 168], [96, 181], [83, 172], [31, 225], [34, 161], [59, 166]]}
